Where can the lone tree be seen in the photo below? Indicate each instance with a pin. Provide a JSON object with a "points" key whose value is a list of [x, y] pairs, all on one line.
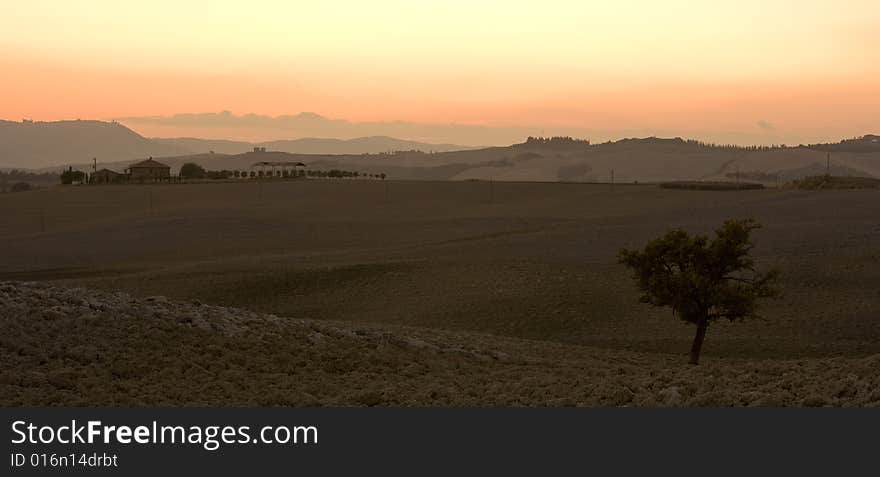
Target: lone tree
{"points": [[702, 280]]}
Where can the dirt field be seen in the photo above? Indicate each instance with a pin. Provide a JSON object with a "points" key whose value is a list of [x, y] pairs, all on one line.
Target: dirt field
{"points": [[76, 347], [524, 260]]}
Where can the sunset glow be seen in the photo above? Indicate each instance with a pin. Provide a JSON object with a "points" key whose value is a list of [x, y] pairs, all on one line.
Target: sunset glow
{"points": [[747, 71]]}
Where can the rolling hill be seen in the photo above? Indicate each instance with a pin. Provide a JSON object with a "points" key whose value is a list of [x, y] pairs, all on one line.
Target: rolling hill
{"points": [[35, 144], [47, 145], [629, 160]]}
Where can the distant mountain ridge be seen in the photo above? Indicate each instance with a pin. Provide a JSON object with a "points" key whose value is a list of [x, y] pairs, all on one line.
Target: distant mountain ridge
{"points": [[34, 144], [37, 144], [311, 145], [48, 146]]}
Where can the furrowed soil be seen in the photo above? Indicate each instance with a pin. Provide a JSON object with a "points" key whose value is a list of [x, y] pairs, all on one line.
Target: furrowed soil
{"points": [[526, 270]]}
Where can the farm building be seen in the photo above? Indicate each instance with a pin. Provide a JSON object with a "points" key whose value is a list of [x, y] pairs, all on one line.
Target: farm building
{"points": [[279, 169], [149, 170], [106, 176]]}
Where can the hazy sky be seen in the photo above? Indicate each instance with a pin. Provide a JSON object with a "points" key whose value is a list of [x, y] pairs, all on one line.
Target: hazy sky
{"points": [[751, 70]]}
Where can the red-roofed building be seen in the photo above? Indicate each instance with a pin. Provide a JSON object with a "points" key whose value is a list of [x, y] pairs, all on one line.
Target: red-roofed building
{"points": [[106, 176], [149, 171]]}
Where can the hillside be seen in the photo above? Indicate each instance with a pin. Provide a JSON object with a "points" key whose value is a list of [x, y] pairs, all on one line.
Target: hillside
{"points": [[88, 348], [37, 144], [537, 159], [866, 143], [631, 160]]}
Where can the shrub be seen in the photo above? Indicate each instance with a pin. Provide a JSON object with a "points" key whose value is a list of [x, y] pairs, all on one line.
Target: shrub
{"points": [[20, 187]]}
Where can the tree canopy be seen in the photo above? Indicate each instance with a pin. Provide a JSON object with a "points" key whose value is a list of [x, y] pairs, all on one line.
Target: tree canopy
{"points": [[702, 280], [191, 170]]}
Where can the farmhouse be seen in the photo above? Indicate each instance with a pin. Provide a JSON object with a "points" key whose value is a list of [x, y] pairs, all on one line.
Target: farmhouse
{"points": [[149, 170], [106, 176], [279, 169]]}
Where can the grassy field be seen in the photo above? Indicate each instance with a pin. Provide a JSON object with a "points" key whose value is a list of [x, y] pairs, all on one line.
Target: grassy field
{"points": [[522, 260]]}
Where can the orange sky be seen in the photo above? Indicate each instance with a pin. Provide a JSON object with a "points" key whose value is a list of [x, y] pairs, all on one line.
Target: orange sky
{"points": [[753, 70]]}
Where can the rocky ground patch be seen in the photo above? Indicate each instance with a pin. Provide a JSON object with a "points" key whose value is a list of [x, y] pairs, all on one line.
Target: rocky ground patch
{"points": [[77, 347]]}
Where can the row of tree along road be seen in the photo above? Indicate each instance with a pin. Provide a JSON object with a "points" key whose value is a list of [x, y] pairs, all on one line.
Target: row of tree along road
{"points": [[193, 172]]}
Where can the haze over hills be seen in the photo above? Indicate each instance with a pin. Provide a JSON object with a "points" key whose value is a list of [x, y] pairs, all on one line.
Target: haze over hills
{"points": [[260, 127], [50, 145], [308, 124], [35, 144], [639, 159], [310, 145], [571, 160]]}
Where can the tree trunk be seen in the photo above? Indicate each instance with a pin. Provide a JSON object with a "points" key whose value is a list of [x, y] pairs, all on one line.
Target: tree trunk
{"points": [[698, 340]]}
